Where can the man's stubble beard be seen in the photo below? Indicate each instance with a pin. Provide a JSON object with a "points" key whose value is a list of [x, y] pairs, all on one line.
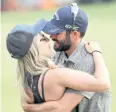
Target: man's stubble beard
{"points": [[64, 45]]}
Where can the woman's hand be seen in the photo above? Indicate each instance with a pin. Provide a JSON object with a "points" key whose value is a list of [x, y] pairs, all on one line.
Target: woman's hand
{"points": [[92, 46]]}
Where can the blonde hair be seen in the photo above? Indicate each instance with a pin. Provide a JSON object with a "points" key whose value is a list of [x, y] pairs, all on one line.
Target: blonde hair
{"points": [[34, 63]]}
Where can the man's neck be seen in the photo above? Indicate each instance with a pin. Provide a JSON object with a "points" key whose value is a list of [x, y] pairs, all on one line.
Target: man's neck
{"points": [[72, 48]]}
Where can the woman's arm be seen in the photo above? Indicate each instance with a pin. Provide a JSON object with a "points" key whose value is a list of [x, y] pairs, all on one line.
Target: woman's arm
{"points": [[100, 67], [79, 80]]}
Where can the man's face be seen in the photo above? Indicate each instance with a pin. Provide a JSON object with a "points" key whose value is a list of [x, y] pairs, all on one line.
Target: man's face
{"points": [[62, 41]]}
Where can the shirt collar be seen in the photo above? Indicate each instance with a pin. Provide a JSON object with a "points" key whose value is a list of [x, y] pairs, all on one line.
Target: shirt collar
{"points": [[75, 54]]}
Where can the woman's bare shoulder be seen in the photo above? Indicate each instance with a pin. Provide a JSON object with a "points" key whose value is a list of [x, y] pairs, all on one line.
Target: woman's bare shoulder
{"points": [[54, 76], [58, 72]]}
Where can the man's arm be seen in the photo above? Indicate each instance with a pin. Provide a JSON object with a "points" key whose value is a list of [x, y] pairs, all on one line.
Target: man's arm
{"points": [[66, 103], [44, 107]]}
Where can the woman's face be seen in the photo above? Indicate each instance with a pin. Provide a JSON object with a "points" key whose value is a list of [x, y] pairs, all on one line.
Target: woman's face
{"points": [[45, 44]]}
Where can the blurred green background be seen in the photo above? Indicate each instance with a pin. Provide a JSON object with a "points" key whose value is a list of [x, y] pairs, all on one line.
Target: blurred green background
{"points": [[102, 27]]}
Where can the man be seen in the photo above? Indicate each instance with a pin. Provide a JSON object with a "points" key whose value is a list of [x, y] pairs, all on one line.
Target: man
{"points": [[67, 28]]}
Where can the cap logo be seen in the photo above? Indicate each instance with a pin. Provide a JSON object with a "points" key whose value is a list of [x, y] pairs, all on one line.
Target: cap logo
{"points": [[53, 30], [75, 28], [68, 26], [56, 16], [71, 27]]}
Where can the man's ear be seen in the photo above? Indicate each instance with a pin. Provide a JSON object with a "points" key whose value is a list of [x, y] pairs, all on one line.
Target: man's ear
{"points": [[75, 35]]}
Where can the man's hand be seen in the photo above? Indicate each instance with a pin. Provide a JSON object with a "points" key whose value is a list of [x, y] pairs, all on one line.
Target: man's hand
{"points": [[25, 106]]}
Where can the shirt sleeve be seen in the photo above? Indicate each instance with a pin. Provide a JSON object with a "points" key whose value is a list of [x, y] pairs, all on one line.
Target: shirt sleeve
{"points": [[86, 65], [86, 94]]}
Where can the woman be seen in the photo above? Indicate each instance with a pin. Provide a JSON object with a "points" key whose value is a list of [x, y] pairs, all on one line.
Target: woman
{"points": [[43, 81]]}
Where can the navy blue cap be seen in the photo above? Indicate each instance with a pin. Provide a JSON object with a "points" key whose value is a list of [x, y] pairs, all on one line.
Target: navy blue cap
{"points": [[20, 38], [67, 18], [34, 29]]}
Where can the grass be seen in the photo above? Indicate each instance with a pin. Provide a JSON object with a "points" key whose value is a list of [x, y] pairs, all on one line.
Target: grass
{"points": [[102, 23]]}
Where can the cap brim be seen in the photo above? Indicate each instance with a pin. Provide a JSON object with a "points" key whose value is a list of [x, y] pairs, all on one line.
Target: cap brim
{"points": [[34, 29], [40, 24], [52, 29]]}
